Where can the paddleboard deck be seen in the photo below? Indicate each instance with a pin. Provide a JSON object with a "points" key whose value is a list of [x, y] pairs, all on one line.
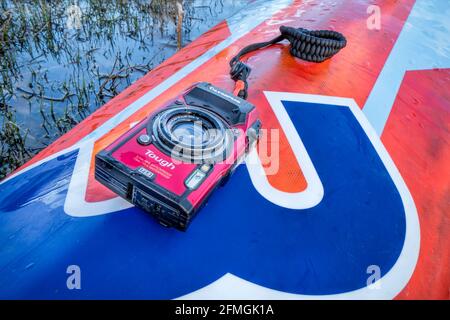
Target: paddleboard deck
{"points": [[356, 205]]}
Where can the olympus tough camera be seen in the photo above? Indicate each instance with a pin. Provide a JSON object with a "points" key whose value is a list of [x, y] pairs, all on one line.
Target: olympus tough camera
{"points": [[170, 162]]}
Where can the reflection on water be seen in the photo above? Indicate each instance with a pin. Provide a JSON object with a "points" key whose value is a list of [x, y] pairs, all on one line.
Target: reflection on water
{"points": [[61, 60]]}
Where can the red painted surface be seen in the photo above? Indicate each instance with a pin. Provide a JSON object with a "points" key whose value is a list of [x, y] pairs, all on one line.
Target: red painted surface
{"points": [[416, 135], [351, 73], [417, 138]]}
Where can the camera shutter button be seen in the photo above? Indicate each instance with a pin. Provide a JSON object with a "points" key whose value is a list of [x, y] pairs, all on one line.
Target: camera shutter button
{"points": [[144, 139]]}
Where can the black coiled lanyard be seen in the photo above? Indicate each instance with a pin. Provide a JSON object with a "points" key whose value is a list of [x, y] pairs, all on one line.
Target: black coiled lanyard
{"points": [[312, 46]]}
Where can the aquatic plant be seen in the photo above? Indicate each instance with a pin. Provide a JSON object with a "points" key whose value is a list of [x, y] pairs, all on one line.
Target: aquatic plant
{"points": [[60, 60]]}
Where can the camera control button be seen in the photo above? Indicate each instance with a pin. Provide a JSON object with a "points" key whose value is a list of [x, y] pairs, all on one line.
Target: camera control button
{"points": [[195, 179], [205, 168], [144, 139]]}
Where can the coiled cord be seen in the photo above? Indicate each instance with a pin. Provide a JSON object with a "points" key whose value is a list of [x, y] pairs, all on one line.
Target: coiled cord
{"points": [[313, 46]]}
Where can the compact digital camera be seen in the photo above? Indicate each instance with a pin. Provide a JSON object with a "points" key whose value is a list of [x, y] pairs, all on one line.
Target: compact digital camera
{"points": [[170, 162]]}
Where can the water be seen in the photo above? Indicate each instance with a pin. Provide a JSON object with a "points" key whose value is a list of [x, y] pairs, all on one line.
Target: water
{"points": [[60, 62]]}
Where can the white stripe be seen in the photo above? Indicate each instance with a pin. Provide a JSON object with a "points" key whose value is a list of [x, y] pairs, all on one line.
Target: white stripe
{"points": [[313, 194], [232, 287], [422, 44], [240, 24], [75, 204]]}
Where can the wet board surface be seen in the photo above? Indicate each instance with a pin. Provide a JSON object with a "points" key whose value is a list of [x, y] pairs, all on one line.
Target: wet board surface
{"points": [[362, 185]]}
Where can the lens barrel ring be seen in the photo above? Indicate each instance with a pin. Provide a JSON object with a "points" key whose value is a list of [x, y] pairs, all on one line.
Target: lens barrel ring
{"points": [[212, 149]]}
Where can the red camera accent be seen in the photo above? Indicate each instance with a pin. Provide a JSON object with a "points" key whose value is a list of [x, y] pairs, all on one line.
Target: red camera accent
{"points": [[134, 155], [145, 165]]}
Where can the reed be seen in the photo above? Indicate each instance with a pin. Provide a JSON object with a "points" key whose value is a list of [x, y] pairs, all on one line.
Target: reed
{"points": [[52, 76]]}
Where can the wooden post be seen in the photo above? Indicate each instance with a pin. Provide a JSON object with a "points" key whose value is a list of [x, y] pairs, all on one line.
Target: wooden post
{"points": [[179, 24]]}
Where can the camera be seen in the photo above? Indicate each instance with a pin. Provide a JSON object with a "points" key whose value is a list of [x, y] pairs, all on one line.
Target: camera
{"points": [[171, 162]]}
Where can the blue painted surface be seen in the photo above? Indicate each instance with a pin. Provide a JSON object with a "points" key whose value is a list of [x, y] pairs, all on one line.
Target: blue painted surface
{"points": [[322, 250]]}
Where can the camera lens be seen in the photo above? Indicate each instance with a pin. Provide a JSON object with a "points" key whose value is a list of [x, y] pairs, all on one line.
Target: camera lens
{"points": [[191, 134]]}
